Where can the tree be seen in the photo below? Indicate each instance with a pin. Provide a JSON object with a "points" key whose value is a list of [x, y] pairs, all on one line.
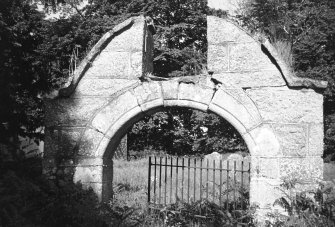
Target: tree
{"points": [[25, 72], [185, 132]]}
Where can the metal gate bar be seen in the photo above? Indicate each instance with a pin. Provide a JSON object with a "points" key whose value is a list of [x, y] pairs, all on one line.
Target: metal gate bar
{"points": [[165, 188]]}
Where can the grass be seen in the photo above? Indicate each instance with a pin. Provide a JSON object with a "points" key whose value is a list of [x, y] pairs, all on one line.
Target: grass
{"points": [[130, 183]]}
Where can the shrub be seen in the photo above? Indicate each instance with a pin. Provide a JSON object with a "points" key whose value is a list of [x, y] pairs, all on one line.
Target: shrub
{"points": [[306, 208], [205, 213]]}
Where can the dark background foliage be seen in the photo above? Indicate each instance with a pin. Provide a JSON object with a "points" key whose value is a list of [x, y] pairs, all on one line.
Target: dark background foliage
{"points": [[308, 29]]}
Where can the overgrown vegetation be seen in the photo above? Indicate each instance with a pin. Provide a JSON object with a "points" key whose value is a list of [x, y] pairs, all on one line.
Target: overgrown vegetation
{"points": [[305, 208], [204, 213], [307, 29]]}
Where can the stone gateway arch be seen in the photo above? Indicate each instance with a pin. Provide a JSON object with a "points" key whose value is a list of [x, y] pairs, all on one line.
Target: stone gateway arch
{"points": [[279, 116]]}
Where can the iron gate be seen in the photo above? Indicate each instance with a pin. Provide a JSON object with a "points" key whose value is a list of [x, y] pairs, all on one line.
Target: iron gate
{"points": [[172, 179]]}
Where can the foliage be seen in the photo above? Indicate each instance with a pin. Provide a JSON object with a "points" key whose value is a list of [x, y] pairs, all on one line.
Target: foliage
{"points": [[184, 214], [23, 68], [185, 132], [27, 198], [305, 208], [307, 28]]}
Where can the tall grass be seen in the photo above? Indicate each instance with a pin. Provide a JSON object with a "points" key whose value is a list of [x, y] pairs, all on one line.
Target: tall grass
{"points": [[130, 183], [171, 184]]}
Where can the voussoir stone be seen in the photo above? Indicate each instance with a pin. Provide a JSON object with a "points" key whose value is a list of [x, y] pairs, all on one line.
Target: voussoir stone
{"points": [[232, 100], [195, 93], [170, 89], [148, 91]]}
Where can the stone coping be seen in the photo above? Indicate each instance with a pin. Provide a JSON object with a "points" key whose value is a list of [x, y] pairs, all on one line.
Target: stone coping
{"points": [[290, 78], [96, 50]]}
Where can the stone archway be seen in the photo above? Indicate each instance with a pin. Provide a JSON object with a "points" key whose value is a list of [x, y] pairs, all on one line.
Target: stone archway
{"points": [[109, 124], [279, 116]]}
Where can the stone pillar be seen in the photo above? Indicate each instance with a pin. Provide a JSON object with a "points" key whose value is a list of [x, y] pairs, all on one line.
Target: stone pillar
{"points": [[113, 65], [289, 143]]}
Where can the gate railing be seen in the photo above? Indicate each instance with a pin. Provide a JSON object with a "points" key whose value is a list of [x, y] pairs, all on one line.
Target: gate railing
{"points": [[172, 179]]}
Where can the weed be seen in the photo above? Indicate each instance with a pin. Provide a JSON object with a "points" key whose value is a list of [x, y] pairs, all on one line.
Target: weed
{"points": [[306, 208]]}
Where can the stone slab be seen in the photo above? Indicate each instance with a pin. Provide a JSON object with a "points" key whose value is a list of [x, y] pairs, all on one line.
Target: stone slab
{"points": [[110, 65], [266, 142], [69, 139], [265, 167], [217, 58], [316, 136], [72, 111], [283, 105], [136, 64], [248, 56], [293, 139], [88, 174], [221, 30], [129, 40], [89, 143], [102, 87], [265, 78]]}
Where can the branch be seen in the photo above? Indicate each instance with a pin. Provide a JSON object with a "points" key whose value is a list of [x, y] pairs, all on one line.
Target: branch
{"points": [[73, 5]]}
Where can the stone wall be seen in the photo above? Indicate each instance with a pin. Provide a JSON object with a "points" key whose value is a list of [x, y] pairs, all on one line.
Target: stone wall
{"points": [[114, 64], [279, 116], [292, 111]]}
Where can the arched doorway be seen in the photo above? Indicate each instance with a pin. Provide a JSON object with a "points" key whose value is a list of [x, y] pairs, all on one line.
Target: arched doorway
{"points": [[112, 121]]}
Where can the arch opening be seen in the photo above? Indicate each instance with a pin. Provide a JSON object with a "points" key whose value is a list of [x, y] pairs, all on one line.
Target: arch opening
{"points": [[128, 176], [113, 120]]}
